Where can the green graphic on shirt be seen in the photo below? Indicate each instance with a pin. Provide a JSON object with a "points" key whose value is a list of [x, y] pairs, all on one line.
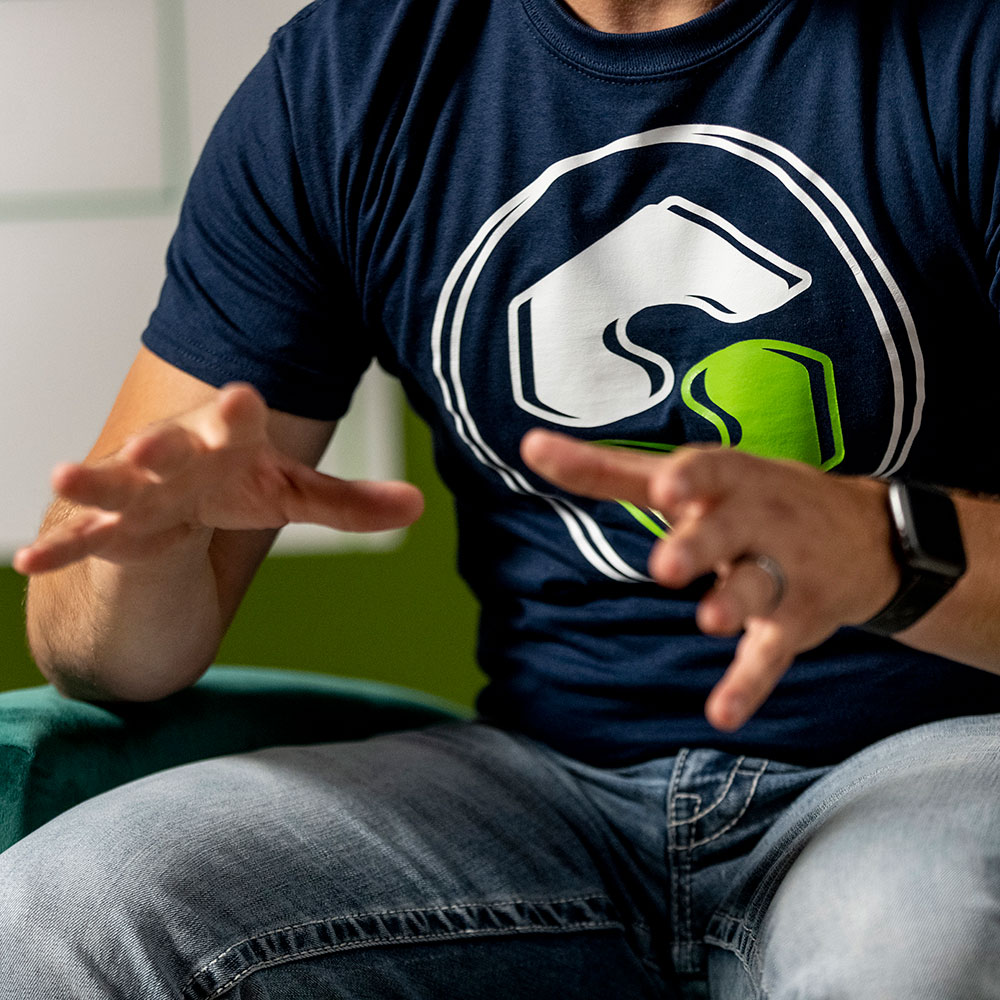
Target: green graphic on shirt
{"points": [[767, 397], [770, 398]]}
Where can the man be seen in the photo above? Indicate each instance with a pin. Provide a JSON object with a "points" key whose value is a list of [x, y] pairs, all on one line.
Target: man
{"points": [[645, 224]]}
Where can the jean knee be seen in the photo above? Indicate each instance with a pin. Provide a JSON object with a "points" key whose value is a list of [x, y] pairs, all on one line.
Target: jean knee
{"points": [[72, 924], [884, 917], [98, 903]]}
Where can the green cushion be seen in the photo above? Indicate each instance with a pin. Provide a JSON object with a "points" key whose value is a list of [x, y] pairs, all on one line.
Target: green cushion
{"points": [[55, 752]]}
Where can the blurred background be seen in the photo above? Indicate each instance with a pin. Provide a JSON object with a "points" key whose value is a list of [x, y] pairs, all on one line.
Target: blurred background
{"points": [[104, 107]]}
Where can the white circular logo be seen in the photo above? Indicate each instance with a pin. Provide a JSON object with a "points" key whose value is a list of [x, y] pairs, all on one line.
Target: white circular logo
{"points": [[572, 359]]}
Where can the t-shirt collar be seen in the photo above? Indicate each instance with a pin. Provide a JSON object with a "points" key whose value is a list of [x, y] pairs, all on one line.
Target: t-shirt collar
{"points": [[648, 53]]}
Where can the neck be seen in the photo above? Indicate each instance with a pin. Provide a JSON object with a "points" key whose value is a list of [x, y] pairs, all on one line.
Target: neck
{"points": [[627, 16]]}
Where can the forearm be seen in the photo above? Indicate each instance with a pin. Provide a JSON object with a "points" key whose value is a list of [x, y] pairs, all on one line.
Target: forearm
{"points": [[101, 630], [147, 553], [965, 624]]}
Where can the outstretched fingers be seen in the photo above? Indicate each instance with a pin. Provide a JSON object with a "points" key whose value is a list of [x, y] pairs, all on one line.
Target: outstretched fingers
{"points": [[238, 416], [109, 485], [603, 473], [70, 540], [743, 590], [117, 481], [763, 655], [351, 505], [162, 451]]}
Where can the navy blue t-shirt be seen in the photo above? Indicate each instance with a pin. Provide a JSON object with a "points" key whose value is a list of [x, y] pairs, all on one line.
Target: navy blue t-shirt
{"points": [[773, 228]]}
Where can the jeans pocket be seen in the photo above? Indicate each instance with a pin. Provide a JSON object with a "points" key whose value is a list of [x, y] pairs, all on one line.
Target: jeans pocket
{"points": [[707, 802], [358, 931]]}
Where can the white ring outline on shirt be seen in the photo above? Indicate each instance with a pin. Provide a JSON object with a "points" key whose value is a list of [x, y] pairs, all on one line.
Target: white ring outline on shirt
{"points": [[584, 531]]}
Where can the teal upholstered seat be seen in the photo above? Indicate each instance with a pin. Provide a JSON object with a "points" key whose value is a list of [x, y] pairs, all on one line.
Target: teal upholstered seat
{"points": [[55, 752]]}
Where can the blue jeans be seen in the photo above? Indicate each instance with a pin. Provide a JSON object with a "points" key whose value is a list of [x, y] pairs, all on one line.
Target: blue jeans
{"points": [[461, 861]]}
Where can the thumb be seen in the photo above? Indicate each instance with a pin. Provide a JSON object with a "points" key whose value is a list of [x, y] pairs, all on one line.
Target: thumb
{"points": [[355, 504]]}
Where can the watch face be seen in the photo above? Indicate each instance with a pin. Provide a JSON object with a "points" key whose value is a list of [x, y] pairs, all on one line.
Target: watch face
{"points": [[928, 529]]}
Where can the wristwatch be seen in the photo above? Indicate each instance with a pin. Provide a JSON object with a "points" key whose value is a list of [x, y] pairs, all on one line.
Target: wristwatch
{"points": [[927, 545]]}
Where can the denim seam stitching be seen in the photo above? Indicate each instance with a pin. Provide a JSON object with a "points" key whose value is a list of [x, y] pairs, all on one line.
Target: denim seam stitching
{"points": [[776, 872], [718, 800], [391, 913], [380, 913], [728, 826], [738, 952], [402, 939], [679, 862]]}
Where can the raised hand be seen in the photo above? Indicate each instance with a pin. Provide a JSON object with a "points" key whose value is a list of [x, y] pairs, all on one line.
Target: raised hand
{"points": [[213, 467], [797, 553]]}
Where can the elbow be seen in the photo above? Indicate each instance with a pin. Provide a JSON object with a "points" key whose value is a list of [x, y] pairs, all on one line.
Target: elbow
{"points": [[104, 676], [102, 686], [95, 657]]}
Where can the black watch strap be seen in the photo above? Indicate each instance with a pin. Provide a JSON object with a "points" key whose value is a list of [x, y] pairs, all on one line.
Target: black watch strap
{"points": [[916, 595], [927, 544]]}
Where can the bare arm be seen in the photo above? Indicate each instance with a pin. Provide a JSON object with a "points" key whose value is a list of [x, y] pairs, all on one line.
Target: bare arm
{"points": [[147, 552], [965, 624]]}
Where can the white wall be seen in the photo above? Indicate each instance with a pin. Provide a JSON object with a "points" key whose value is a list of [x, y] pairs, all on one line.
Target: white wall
{"points": [[104, 105]]}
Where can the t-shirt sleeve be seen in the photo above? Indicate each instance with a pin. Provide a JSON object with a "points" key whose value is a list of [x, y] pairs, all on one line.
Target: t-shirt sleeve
{"points": [[961, 72], [253, 291], [991, 184], [980, 117]]}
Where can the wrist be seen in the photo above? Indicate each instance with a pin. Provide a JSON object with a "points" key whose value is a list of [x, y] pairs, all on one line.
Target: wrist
{"points": [[926, 544], [872, 575]]}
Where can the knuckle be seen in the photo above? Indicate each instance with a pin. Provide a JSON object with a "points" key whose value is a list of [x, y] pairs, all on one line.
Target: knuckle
{"points": [[809, 596], [781, 508], [661, 485], [688, 459]]}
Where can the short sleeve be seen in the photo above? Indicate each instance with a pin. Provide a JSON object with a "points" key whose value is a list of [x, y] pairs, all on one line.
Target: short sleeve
{"points": [[984, 152], [992, 182], [973, 77], [253, 291]]}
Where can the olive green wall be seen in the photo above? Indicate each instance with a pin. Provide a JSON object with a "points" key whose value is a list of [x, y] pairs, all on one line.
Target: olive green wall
{"points": [[401, 616], [16, 668]]}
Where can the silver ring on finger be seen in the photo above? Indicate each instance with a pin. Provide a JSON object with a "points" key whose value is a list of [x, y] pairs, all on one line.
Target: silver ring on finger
{"points": [[775, 573]]}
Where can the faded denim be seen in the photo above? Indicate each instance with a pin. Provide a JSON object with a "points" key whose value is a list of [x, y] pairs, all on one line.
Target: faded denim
{"points": [[465, 862]]}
